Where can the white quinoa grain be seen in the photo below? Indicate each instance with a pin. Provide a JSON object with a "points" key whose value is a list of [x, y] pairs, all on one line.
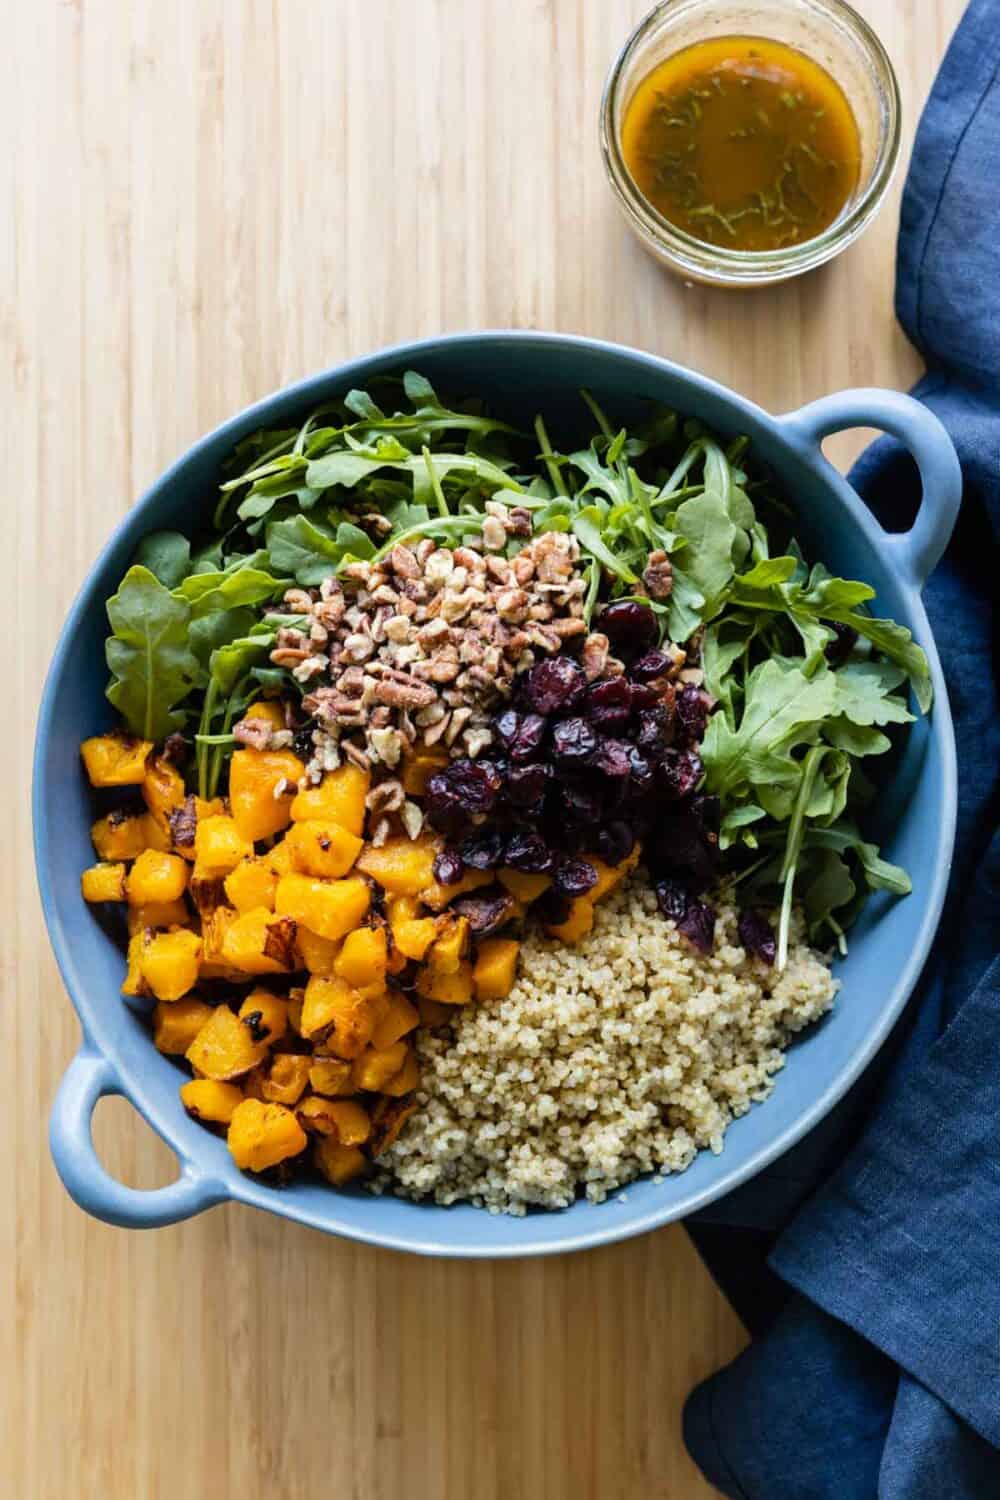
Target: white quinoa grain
{"points": [[625, 1054]]}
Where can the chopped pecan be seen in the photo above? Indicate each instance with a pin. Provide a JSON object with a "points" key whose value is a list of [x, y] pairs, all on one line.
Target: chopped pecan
{"points": [[408, 695], [658, 575]]}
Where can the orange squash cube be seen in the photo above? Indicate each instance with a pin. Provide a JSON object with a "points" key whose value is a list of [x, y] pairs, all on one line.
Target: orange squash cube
{"points": [[338, 1164], [437, 896], [330, 908], [450, 945], [331, 1076], [402, 866], [400, 1017], [577, 924], [162, 788], [170, 963], [374, 1067], [318, 954], [214, 1103], [262, 1135], [251, 884], [418, 768], [125, 836], [609, 877], [523, 886], [158, 914], [335, 1015], [262, 786], [115, 759], [406, 1080], [265, 1014], [495, 968], [103, 883], [363, 959], [156, 877], [286, 1079], [447, 989], [319, 847], [339, 798], [218, 847], [258, 942], [177, 1023], [224, 1047]]}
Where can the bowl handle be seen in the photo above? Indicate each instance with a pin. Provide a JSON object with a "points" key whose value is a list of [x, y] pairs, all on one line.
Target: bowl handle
{"points": [[89, 1078], [917, 551]]}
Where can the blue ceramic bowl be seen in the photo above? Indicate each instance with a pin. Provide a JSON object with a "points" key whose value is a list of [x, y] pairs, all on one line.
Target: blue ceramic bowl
{"points": [[519, 372]]}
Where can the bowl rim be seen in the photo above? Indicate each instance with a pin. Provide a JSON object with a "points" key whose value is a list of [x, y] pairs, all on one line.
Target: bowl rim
{"points": [[238, 1187]]}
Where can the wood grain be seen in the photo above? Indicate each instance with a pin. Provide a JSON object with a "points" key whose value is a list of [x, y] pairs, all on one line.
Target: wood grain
{"points": [[201, 202]]}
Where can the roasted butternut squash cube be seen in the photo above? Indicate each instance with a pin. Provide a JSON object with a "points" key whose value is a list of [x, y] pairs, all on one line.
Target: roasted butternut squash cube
{"points": [[296, 999], [330, 908], [412, 934], [158, 914], [224, 1047], [406, 1080], [388, 1118], [134, 983], [176, 1024], [350, 1120], [450, 945], [259, 942], [331, 1076], [213, 935], [280, 859], [433, 1013], [170, 963], [266, 1015], [609, 877], [251, 884], [437, 896], [318, 847], [125, 836], [218, 847], [402, 866], [418, 768], [313, 1114], [115, 759], [336, 1015], [523, 886], [214, 1103], [286, 1079], [374, 1066], [103, 883], [262, 1135], [339, 798], [577, 924], [262, 786], [447, 989], [162, 788], [363, 958], [268, 709], [156, 877], [495, 969], [318, 954], [338, 1164], [400, 1017]]}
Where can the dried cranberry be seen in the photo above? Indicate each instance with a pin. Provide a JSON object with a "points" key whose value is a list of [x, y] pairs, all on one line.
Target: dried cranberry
{"points": [[653, 737], [573, 740], [757, 936], [677, 846], [708, 811], [448, 867], [462, 790], [525, 785], [630, 627], [644, 696], [643, 773], [575, 877], [680, 772], [486, 910], [611, 758], [555, 685], [839, 650], [608, 704], [692, 708], [581, 800], [529, 852], [522, 734], [649, 667], [698, 926], [481, 851], [672, 898], [614, 842], [553, 907]]}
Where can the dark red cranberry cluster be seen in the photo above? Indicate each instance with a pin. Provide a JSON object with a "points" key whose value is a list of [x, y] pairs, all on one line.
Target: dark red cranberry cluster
{"points": [[589, 768]]}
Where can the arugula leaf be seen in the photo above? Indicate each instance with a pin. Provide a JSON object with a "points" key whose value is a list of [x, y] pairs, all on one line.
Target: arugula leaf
{"points": [[300, 549], [152, 666], [783, 709], [865, 693], [216, 629], [167, 555], [207, 593]]}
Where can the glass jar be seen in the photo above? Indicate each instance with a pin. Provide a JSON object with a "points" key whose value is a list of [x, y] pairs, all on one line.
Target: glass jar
{"points": [[829, 32]]}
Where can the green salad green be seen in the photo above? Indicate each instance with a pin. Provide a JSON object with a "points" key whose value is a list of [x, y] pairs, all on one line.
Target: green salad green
{"points": [[808, 681]]}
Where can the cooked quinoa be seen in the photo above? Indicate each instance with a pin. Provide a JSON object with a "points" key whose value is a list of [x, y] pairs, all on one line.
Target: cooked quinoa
{"points": [[625, 1054]]}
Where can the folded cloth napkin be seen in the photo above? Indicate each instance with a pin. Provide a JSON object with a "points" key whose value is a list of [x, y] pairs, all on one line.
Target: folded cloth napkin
{"points": [[873, 1294]]}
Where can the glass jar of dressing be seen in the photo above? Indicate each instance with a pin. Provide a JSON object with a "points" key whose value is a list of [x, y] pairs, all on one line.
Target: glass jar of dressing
{"points": [[749, 143]]}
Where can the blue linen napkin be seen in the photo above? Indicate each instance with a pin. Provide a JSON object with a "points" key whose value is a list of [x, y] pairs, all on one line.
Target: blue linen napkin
{"points": [[873, 1294]]}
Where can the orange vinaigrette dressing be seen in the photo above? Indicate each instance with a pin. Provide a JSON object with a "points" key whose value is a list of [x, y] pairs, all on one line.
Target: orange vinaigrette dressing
{"points": [[742, 142]]}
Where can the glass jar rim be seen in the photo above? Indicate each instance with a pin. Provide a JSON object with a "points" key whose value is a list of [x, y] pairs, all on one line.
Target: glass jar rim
{"points": [[752, 267]]}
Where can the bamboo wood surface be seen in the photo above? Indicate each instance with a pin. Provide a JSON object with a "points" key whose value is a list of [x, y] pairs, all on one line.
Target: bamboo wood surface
{"points": [[201, 202]]}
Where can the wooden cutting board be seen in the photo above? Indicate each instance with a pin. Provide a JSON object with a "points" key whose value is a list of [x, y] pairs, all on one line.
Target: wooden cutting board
{"points": [[201, 202]]}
